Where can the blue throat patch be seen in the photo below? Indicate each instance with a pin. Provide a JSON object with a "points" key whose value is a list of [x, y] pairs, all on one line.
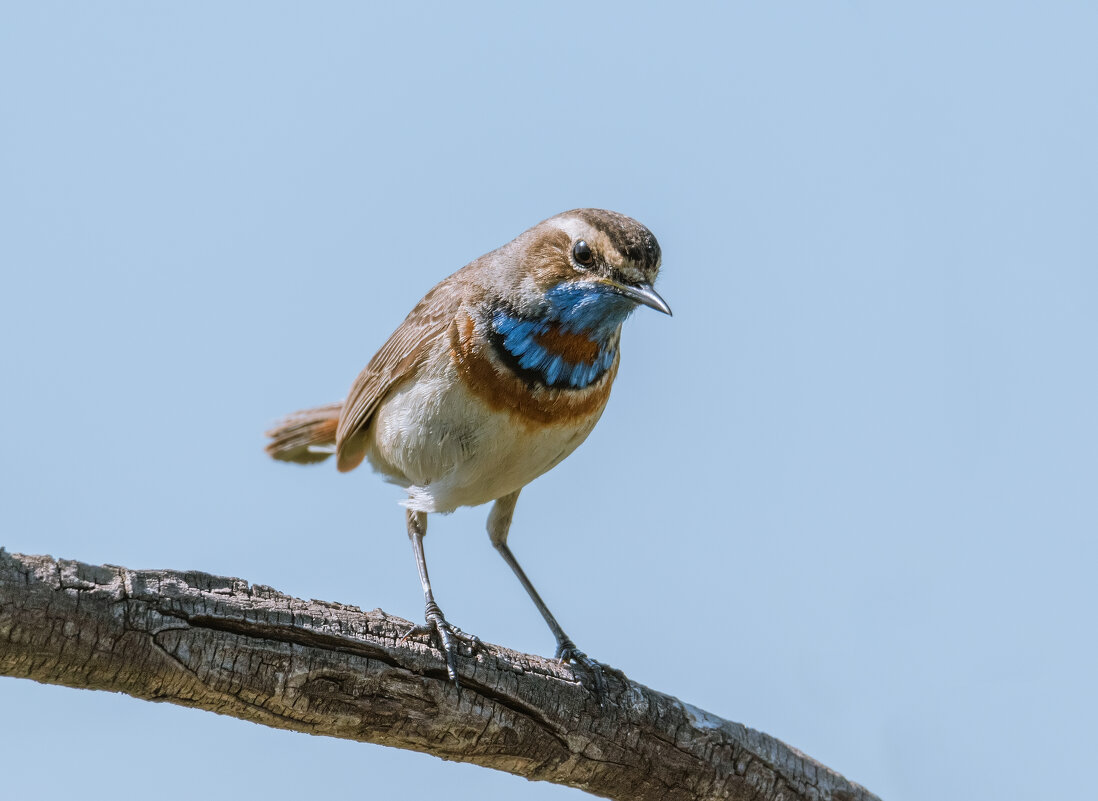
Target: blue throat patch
{"points": [[544, 349]]}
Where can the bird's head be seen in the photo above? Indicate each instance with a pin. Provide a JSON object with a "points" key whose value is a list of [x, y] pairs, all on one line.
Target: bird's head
{"points": [[586, 269], [558, 293]]}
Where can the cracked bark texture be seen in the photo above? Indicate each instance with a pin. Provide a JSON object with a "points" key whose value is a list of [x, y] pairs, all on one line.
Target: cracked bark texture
{"points": [[251, 652]]}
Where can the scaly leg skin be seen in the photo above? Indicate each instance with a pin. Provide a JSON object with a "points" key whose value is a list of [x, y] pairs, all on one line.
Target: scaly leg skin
{"points": [[436, 623], [499, 523]]}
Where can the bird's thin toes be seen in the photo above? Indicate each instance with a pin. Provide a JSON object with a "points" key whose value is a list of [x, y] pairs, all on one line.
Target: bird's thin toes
{"points": [[471, 643], [593, 677], [418, 630], [450, 639]]}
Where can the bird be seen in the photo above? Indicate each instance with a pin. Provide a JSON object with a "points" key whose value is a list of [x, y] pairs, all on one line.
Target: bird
{"points": [[493, 378]]}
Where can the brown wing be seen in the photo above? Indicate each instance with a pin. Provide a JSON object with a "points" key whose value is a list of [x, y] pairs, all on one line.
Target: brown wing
{"points": [[398, 358]]}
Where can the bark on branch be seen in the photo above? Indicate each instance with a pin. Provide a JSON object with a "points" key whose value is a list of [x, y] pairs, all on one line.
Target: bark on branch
{"points": [[250, 652]]}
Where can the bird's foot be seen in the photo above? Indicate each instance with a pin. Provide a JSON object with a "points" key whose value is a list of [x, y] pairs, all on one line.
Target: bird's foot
{"points": [[593, 678], [449, 637]]}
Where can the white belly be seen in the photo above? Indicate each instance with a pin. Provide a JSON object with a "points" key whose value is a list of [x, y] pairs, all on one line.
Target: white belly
{"points": [[449, 449]]}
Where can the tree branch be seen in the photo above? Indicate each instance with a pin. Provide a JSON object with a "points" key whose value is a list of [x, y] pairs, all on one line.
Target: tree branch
{"points": [[252, 653]]}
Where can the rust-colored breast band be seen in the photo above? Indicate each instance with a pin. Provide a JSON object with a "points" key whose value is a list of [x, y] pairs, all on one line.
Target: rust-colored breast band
{"points": [[573, 347], [498, 386]]}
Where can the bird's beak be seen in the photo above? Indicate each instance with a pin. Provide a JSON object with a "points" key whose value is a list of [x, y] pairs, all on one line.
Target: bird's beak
{"points": [[641, 293]]}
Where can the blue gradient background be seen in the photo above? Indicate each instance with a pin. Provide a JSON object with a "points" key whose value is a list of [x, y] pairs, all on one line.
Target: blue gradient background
{"points": [[846, 495]]}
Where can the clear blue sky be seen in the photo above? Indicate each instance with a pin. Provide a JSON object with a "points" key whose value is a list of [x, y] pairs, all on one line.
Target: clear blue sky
{"points": [[846, 495]]}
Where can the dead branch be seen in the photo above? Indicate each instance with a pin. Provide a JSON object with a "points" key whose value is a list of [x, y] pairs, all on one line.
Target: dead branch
{"points": [[250, 652]]}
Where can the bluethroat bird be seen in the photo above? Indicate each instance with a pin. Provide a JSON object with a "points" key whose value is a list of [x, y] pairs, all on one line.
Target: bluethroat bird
{"points": [[500, 372]]}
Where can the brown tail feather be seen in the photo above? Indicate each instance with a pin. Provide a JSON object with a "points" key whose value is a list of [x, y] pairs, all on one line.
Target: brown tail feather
{"points": [[305, 437]]}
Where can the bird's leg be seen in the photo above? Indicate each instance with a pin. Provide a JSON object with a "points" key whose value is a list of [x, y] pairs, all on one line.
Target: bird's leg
{"points": [[436, 623], [499, 523]]}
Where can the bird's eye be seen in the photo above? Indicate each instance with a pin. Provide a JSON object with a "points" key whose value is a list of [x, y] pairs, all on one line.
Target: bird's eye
{"points": [[581, 252]]}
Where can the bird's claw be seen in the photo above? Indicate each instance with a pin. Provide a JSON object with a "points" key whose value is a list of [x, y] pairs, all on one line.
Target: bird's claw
{"points": [[568, 653], [449, 637]]}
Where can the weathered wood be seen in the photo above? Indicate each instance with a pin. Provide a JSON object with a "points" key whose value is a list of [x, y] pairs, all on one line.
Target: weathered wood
{"points": [[250, 652]]}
